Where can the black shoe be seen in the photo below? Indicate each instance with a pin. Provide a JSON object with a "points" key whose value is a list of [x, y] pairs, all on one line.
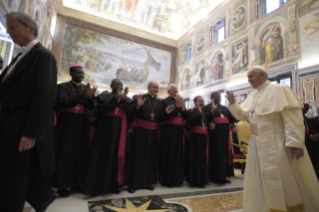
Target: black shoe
{"points": [[219, 182], [169, 185], [63, 193], [151, 188], [47, 203], [201, 185], [78, 189], [131, 190], [115, 191]]}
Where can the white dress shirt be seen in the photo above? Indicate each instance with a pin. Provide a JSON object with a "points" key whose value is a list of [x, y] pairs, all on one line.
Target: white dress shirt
{"points": [[24, 50]]}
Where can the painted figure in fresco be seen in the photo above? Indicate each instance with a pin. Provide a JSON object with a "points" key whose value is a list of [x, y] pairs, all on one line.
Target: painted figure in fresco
{"points": [[293, 48], [131, 5], [22, 6], [271, 43], [239, 17], [200, 75], [142, 73], [200, 43], [186, 79], [313, 25], [217, 66], [240, 59]]}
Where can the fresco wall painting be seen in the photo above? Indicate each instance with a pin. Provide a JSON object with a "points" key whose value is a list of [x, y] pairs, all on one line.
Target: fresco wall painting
{"points": [[309, 33], [309, 92], [105, 57], [41, 11], [238, 19], [240, 57]]}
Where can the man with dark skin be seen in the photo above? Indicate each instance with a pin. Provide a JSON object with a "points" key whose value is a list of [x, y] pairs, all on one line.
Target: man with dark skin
{"points": [[106, 162], [220, 157], [72, 132]]}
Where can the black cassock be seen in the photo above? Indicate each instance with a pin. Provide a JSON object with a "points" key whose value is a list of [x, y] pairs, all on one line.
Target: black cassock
{"points": [[171, 153], [220, 156], [71, 136], [314, 129], [107, 155], [197, 147], [142, 157]]}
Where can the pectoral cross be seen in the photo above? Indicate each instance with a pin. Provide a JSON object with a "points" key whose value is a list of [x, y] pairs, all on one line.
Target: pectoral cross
{"points": [[203, 124], [179, 114], [152, 116], [221, 115], [116, 109], [77, 109]]}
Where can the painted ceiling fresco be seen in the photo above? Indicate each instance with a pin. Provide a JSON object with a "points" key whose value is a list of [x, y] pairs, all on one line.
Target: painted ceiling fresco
{"points": [[168, 18]]}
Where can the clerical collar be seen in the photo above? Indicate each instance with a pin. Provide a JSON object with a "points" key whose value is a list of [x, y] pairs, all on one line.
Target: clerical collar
{"points": [[263, 85], [77, 84], [151, 96]]}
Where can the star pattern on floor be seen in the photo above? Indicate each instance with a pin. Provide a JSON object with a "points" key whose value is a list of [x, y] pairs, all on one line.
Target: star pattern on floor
{"points": [[132, 208]]}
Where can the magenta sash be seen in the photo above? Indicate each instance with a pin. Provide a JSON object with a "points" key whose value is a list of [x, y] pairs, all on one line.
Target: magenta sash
{"points": [[307, 130], [175, 120], [199, 129], [54, 119], [131, 123], [121, 153], [220, 120], [80, 109], [146, 124]]}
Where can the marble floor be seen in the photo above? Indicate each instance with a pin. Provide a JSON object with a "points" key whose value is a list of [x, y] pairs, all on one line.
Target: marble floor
{"points": [[184, 194]]}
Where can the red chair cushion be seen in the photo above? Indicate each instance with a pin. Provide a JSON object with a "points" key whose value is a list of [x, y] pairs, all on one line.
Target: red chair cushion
{"points": [[239, 156]]}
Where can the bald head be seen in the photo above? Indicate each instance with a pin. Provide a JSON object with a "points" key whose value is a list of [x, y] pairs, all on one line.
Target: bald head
{"points": [[116, 85], [256, 77], [153, 88], [172, 90]]}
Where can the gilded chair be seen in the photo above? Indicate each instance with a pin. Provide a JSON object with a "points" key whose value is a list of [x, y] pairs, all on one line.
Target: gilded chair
{"points": [[243, 133]]}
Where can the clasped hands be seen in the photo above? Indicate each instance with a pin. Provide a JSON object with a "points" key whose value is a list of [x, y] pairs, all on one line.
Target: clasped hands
{"points": [[88, 91]]}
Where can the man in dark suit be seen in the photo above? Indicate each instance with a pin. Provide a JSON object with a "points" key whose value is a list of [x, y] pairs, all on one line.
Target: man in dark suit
{"points": [[27, 94]]}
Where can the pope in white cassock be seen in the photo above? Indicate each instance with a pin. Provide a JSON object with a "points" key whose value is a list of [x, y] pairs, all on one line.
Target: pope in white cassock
{"points": [[279, 176]]}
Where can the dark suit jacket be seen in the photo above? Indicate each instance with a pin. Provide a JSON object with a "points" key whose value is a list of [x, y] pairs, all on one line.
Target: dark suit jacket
{"points": [[27, 98]]}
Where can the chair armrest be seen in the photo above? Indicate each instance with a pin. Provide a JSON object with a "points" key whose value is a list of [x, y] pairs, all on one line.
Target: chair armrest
{"points": [[244, 143]]}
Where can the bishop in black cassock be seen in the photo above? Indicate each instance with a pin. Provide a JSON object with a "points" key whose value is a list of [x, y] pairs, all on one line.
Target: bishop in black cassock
{"points": [[106, 163], [220, 155], [197, 144], [72, 132], [171, 153], [142, 160]]}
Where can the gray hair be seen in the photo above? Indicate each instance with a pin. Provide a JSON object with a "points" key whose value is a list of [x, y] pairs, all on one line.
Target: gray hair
{"points": [[25, 20]]}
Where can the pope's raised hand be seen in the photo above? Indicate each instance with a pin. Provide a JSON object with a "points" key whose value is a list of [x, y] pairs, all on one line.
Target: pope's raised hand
{"points": [[230, 97]]}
